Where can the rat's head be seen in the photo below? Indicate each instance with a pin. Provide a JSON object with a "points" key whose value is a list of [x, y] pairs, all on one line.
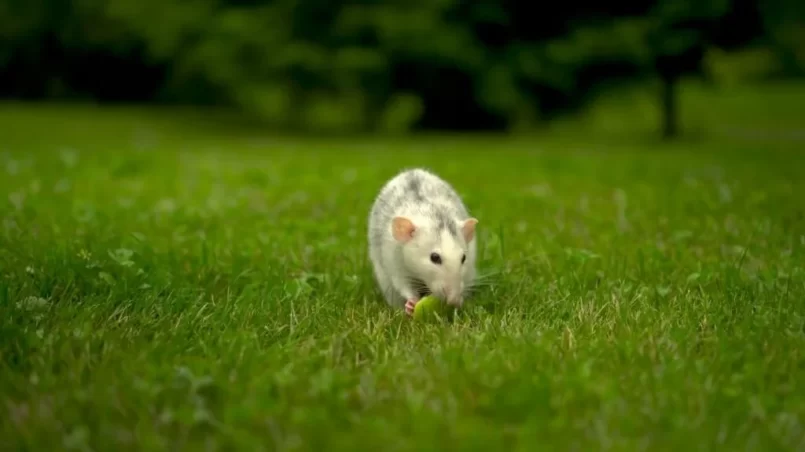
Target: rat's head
{"points": [[437, 253]]}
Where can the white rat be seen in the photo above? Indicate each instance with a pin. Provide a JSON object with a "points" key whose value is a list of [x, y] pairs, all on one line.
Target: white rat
{"points": [[421, 240]]}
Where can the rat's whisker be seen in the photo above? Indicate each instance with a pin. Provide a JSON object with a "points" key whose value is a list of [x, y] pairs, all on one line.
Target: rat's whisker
{"points": [[486, 276], [486, 280]]}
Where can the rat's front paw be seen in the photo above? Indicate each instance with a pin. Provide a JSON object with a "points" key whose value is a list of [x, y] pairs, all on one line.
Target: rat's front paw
{"points": [[410, 305]]}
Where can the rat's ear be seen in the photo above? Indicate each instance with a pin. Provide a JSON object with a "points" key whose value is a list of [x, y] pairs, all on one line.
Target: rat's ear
{"points": [[402, 229], [468, 229]]}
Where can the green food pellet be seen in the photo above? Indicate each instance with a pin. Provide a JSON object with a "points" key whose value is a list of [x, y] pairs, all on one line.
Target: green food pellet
{"points": [[429, 307]]}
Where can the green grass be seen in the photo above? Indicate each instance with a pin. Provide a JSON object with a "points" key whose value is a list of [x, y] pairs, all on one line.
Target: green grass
{"points": [[167, 284]]}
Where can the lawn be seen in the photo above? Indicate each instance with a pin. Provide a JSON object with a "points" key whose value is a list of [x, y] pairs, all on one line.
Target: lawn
{"points": [[169, 283]]}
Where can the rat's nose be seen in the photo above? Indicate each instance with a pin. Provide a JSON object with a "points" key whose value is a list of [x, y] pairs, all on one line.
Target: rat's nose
{"points": [[453, 297]]}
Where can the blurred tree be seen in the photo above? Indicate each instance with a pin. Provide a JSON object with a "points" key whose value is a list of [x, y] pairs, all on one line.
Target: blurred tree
{"points": [[678, 33], [784, 26], [365, 65], [664, 41]]}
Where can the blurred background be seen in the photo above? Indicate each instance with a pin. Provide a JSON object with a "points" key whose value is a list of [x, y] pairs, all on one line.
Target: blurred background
{"points": [[399, 66]]}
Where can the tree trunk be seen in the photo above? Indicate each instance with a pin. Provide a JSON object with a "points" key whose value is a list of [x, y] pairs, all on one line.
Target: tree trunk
{"points": [[670, 127]]}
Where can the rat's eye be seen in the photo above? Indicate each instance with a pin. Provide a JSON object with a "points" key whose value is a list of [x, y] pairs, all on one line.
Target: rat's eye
{"points": [[463, 258], [435, 258]]}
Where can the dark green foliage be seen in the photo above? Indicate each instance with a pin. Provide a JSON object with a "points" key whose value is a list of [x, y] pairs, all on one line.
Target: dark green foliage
{"points": [[358, 66]]}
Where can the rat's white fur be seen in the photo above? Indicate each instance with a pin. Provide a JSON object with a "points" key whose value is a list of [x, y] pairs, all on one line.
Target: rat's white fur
{"points": [[439, 218]]}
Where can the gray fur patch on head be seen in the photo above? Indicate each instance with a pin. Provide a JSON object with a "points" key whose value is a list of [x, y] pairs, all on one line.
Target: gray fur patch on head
{"points": [[414, 186], [445, 221]]}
